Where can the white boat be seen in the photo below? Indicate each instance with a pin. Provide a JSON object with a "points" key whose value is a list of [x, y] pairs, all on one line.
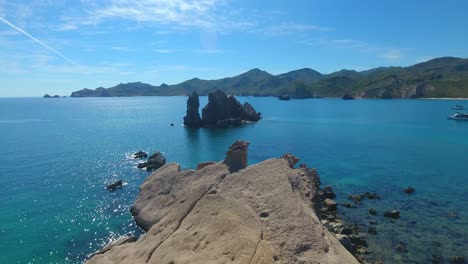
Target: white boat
{"points": [[459, 116]]}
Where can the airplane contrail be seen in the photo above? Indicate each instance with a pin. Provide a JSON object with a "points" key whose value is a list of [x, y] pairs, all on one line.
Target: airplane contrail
{"points": [[36, 40]]}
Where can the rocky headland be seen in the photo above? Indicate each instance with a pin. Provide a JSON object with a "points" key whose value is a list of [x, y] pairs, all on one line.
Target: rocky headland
{"points": [[221, 111], [228, 212]]}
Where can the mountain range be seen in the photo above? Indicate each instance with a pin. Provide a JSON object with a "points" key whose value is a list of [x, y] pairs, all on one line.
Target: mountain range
{"points": [[440, 77]]}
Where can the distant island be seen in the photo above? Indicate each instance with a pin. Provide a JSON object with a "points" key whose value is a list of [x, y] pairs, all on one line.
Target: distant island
{"points": [[437, 78]]}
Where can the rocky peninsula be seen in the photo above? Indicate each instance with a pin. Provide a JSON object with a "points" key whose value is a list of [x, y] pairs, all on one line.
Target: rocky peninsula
{"points": [[228, 212], [221, 111]]}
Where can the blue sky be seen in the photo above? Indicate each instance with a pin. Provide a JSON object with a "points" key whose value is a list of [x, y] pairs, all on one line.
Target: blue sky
{"points": [[59, 46]]}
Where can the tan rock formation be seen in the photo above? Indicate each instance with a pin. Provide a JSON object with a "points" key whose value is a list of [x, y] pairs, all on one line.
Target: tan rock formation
{"points": [[264, 213]]}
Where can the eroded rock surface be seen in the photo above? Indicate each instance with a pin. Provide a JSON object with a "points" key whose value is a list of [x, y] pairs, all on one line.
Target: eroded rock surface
{"points": [[263, 213]]}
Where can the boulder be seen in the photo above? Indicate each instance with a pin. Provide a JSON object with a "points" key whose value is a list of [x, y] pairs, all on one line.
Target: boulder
{"points": [[192, 117], [142, 165], [213, 215], [115, 185], [155, 161], [327, 192], [330, 205], [392, 214], [236, 156]]}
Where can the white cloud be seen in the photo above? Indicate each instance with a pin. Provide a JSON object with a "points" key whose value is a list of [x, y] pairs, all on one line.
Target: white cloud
{"points": [[121, 49], [164, 50], [393, 55]]}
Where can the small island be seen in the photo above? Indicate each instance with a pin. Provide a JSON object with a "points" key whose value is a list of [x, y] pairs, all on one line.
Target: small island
{"points": [[221, 111], [48, 96]]}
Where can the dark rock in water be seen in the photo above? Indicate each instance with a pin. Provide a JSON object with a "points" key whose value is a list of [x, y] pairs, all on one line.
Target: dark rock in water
{"points": [[47, 96], [142, 165], [347, 96], [56, 96], [357, 198], [249, 113], [221, 111], [436, 259], [392, 214], [409, 190], [115, 185], [371, 230], [284, 98], [330, 205], [372, 211], [370, 196], [372, 222], [140, 155], [236, 156], [358, 240], [172, 124], [457, 259], [327, 192], [346, 242], [192, 118], [347, 205], [155, 161], [400, 247]]}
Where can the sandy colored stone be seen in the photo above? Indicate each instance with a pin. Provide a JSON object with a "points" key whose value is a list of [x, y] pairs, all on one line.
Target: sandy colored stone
{"points": [[264, 213]]}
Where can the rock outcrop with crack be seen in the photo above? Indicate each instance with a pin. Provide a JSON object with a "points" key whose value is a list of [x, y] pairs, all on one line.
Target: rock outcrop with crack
{"points": [[228, 213]]}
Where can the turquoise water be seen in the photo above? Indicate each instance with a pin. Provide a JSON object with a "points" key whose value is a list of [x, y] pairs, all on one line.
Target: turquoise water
{"points": [[58, 155]]}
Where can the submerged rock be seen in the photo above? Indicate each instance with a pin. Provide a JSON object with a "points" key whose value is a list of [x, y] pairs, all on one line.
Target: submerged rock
{"points": [[372, 211], [400, 247], [457, 259], [409, 190], [263, 213], [115, 185], [392, 214]]}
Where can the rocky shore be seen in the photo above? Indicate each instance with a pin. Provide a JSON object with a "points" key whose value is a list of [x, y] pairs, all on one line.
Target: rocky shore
{"points": [[228, 212]]}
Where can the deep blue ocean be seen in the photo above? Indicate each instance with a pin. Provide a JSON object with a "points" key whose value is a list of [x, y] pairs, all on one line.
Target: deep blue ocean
{"points": [[57, 155]]}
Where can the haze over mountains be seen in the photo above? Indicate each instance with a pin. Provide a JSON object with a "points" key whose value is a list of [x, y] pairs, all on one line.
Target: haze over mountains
{"points": [[440, 77]]}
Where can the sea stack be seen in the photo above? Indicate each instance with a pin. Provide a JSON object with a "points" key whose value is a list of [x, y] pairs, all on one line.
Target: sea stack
{"points": [[263, 213], [192, 118], [221, 111]]}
